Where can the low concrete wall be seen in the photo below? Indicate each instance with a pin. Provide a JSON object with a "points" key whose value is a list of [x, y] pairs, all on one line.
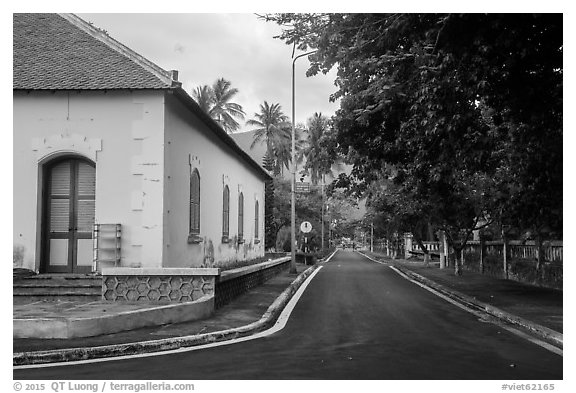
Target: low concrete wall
{"points": [[182, 285], [233, 283]]}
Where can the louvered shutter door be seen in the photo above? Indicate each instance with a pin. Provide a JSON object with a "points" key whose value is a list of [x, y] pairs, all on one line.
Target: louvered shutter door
{"points": [[86, 190], [60, 180], [59, 215], [60, 197], [86, 179]]}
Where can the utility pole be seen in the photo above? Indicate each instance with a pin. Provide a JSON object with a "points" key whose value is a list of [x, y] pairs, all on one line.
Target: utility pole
{"points": [[293, 170], [322, 188]]}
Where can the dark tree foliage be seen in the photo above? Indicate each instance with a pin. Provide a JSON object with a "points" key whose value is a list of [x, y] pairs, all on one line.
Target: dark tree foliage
{"points": [[466, 109], [270, 228]]}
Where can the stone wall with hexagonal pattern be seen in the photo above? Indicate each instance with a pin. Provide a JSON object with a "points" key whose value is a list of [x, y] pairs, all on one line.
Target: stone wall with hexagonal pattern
{"points": [[134, 287], [157, 288]]}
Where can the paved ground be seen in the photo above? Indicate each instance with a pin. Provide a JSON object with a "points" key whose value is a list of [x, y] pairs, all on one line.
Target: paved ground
{"points": [[356, 320]]}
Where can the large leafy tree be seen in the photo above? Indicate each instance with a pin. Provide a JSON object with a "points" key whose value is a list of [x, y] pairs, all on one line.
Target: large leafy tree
{"points": [[466, 107], [395, 211], [270, 227], [216, 100]]}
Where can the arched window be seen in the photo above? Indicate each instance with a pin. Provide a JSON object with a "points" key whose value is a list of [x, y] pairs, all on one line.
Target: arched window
{"points": [[195, 202], [241, 218], [256, 220], [226, 214]]}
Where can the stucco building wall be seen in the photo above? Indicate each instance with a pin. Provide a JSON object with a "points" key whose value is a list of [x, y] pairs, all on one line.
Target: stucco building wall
{"points": [[190, 144], [122, 134]]}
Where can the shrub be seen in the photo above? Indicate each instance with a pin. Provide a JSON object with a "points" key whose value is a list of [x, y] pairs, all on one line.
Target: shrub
{"points": [[283, 239]]}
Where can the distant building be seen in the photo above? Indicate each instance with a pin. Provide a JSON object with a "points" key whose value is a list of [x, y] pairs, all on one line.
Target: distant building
{"points": [[104, 136]]}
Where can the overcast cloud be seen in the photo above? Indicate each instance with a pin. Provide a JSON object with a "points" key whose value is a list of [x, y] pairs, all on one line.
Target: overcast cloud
{"points": [[237, 47]]}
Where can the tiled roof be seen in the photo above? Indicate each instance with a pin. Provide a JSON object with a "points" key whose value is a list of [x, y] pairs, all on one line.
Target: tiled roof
{"points": [[54, 52]]}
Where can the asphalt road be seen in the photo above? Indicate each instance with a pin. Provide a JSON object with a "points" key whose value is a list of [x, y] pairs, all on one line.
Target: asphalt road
{"points": [[356, 320]]}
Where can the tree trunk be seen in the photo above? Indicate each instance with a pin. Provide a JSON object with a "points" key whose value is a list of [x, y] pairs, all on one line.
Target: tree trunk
{"points": [[539, 258], [424, 250], [482, 254], [457, 261], [505, 256], [444, 246]]}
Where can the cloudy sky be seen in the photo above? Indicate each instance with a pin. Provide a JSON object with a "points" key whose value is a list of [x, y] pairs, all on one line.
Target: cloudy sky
{"points": [[238, 47]]}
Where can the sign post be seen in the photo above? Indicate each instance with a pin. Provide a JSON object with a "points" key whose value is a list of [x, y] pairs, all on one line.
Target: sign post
{"points": [[305, 227], [302, 187]]}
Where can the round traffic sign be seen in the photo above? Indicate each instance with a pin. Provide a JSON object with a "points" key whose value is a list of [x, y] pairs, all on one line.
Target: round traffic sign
{"points": [[305, 227]]}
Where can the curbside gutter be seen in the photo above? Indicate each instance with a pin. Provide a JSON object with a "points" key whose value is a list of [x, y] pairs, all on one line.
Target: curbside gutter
{"points": [[75, 354], [541, 331]]}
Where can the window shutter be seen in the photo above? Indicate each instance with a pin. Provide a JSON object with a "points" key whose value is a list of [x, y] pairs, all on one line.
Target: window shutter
{"points": [[226, 212], [256, 219], [195, 202], [241, 216]]}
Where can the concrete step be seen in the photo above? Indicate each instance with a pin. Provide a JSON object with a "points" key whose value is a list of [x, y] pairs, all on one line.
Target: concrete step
{"points": [[30, 283], [54, 291], [27, 299], [56, 287]]}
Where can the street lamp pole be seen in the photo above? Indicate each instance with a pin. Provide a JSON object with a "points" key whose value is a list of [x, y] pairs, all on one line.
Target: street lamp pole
{"points": [[322, 212], [293, 169]]}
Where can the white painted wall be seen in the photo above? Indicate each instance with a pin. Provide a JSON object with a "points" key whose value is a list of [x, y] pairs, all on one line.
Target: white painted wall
{"points": [[122, 133], [142, 147], [188, 140]]}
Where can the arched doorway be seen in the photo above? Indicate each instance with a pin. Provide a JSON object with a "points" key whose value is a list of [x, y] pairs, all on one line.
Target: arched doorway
{"points": [[69, 207]]}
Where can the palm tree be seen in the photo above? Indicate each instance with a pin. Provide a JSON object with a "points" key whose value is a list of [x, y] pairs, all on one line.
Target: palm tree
{"points": [[315, 154], [215, 101], [273, 128], [204, 97], [224, 111]]}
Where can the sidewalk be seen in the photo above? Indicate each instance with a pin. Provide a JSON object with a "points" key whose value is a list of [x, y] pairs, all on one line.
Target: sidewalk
{"points": [[540, 306]]}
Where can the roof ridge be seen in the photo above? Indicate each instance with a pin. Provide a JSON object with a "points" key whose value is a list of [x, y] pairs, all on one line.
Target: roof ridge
{"points": [[168, 77]]}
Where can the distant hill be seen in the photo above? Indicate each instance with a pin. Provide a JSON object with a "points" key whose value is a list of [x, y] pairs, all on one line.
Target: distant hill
{"points": [[244, 140]]}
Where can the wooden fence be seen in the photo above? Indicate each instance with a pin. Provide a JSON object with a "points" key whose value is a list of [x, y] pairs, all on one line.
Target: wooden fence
{"points": [[515, 260], [392, 249]]}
